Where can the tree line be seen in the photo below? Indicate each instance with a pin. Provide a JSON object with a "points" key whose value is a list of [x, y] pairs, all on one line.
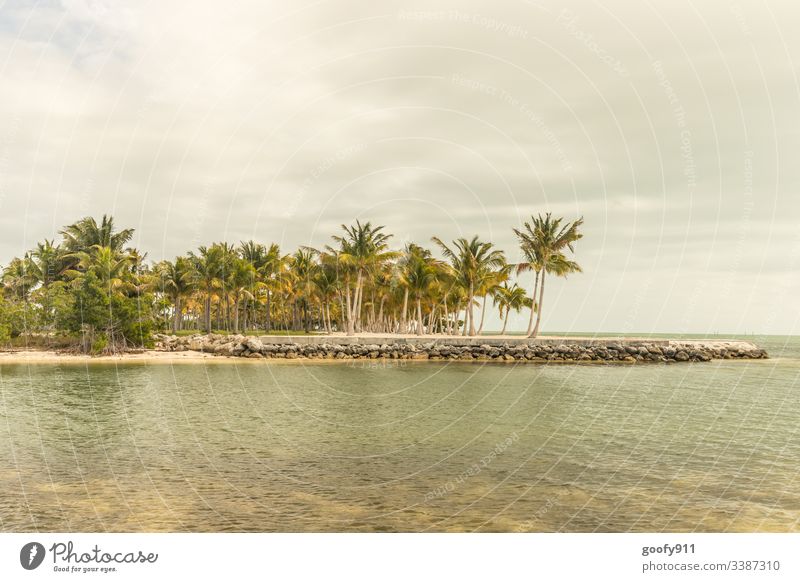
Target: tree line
{"points": [[97, 288]]}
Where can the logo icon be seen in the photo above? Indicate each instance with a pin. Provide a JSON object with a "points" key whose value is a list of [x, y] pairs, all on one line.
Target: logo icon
{"points": [[31, 555]]}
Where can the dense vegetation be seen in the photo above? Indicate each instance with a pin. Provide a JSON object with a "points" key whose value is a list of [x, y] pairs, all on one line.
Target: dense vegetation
{"points": [[94, 287]]}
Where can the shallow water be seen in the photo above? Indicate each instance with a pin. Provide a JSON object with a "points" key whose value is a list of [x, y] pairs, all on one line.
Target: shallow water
{"points": [[402, 446]]}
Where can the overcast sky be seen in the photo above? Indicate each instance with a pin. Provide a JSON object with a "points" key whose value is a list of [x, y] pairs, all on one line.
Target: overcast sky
{"points": [[673, 127]]}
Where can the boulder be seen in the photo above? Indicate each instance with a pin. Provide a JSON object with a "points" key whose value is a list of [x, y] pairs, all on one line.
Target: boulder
{"points": [[253, 344]]}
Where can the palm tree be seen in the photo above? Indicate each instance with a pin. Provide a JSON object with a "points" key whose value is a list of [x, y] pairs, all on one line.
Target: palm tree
{"points": [[510, 299], [46, 263], [360, 285], [207, 271], [383, 282], [141, 278], [406, 264], [418, 276], [470, 259], [490, 280], [543, 243], [228, 257], [86, 233], [255, 254], [532, 262], [450, 294], [112, 268], [305, 270], [274, 265], [327, 285], [83, 235], [18, 279], [176, 280], [362, 248], [240, 281]]}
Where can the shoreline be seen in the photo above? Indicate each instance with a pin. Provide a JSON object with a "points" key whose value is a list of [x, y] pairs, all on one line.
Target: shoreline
{"points": [[375, 348]]}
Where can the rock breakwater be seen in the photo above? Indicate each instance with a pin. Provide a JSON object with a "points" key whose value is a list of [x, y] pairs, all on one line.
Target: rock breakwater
{"points": [[462, 349]]}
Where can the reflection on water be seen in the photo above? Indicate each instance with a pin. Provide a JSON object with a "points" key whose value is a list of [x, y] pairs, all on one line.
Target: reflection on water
{"points": [[420, 446]]}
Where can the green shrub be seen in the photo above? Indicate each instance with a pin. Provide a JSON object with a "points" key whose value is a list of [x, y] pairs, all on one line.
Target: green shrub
{"points": [[99, 344]]}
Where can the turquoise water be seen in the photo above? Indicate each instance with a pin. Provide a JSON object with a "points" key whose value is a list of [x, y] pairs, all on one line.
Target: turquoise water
{"points": [[402, 446]]}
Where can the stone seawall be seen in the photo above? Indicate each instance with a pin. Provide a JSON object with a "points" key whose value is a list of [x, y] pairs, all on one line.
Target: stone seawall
{"points": [[542, 350]]}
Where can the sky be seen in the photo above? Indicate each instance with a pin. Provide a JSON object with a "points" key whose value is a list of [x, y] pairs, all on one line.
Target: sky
{"points": [[672, 127]]}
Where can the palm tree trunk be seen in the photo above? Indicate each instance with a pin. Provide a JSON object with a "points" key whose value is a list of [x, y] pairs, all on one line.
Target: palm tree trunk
{"points": [[268, 318], [419, 316], [342, 312], [539, 310], [505, 322], [356, 291], [404, 312], [227, 312], [177, 314], [470, 316], [208, 313], [359, 302], [379, 321], [372, 310], [349, 312], [235, 315], [533, 304], [483, 313]]}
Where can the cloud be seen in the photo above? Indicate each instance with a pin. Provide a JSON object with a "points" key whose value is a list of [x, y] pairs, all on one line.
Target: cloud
{"points": [[670, 127]]}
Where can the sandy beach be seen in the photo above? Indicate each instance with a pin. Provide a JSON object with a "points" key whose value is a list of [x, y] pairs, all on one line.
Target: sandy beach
{"points": [[150, 356]]}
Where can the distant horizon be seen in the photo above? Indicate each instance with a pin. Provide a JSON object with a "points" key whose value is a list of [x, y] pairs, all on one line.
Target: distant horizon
{"points": [[547, 333]]}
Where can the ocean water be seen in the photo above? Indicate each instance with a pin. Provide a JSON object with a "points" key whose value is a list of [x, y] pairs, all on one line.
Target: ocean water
{"points": [[402, 446]]}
